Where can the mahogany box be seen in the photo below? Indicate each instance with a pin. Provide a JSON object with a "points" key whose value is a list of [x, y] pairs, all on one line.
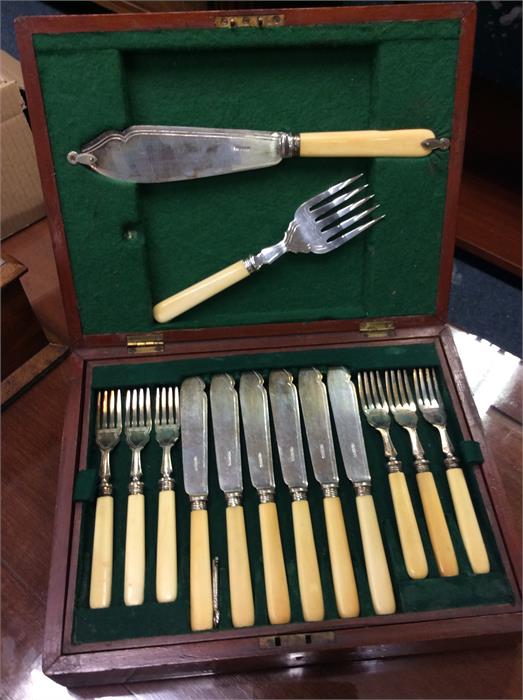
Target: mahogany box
{"points": [[378, 302]]}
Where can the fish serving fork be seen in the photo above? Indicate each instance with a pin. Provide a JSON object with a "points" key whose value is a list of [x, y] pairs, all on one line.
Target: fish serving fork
{"points": [[376, 410], [108, 426], [431, 405], [319, 225], [403, 408], [138, 424], [167, 430]]}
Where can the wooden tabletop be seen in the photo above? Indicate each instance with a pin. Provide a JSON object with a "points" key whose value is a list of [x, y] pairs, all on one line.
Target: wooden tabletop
{"points": [[32, 428]]}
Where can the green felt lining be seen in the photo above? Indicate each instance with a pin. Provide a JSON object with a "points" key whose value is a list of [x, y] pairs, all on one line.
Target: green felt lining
{"points": [[471, 452], [152, 618], [388, 75]]}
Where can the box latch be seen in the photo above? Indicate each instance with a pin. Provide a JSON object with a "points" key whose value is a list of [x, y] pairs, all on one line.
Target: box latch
{"points": [[145, 343], [249, 21], [378, 328]]}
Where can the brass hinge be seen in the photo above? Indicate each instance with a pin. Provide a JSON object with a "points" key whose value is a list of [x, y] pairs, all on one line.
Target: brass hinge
{"points": [[145, 343], [377, 328], [250, 21]]}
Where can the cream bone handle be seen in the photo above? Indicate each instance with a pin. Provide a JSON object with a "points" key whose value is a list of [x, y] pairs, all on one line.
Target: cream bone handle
{"points": [[166, 564], [410, 538], [378, 575], [240, 585], [102, 565], [134, 573], [437, 525], [345, 591], [363, 144], [200, 579], [467, 521], [307, 563], [276, 588]]}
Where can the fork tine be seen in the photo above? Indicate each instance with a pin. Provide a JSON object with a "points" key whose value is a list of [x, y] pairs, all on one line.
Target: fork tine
{"points": [[119, 409], [338, 214], [128, 408], [368, 393], [424, 395], [176, 404], [381, 392], [417, 389], [164, 406], [105, 412], [170, 416], [394, 385], [148, 418], [342, 225], [361, 392], [352, 233], [324, 209], [111, 409], [374, 388], [134, 409], [429, 385], [157, 417], [317, 199], [436, 387], [407, 386], [98, 423], [141, 408]]}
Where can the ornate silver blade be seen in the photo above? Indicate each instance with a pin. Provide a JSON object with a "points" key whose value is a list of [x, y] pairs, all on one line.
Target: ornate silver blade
{"points": [[226, 430], [256, 429], [170, 153], [286, 416], [316, 415], [193, 418], [344, 402]]}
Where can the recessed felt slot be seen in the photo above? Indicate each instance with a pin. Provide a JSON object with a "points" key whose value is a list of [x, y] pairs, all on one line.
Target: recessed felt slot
{"points": [[152, 619]]}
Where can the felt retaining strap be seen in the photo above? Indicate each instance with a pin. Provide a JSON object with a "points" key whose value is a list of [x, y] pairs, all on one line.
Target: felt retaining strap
{"points": [[471, 453], [85, 484]]}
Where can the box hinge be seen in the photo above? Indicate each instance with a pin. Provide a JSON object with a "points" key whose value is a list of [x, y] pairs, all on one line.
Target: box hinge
{"points": [[145, 343], [377, 328], [250, 21]]}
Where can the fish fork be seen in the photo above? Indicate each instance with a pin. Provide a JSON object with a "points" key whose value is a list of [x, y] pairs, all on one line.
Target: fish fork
{"points": [[376, 410], [431, 406], [138, 424], [403, 408], [167, 429], [320, 225], [108, 426]]}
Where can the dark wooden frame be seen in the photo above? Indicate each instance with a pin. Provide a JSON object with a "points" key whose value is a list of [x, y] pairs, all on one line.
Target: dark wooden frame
{"points": [[256, 648]]}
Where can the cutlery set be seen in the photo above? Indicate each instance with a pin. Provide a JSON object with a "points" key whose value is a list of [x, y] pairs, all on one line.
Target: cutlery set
{"points": [[320, 402]]}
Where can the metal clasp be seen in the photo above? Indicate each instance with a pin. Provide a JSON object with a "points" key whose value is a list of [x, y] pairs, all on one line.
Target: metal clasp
{"points": [[437, 144], [250, 21]]}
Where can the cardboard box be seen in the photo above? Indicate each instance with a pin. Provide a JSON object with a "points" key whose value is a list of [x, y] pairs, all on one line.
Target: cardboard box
{"points": [[22, 200]]}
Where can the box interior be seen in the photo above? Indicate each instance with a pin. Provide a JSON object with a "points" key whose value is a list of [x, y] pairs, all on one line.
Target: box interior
{"points": [[152, 618], [384, 75]]}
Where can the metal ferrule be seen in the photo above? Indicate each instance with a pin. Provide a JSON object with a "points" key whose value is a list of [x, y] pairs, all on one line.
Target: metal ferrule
{"points": [[299, 494], [265, 257], [166, 483], [329, 490], [135, 486], [450, 462], [233, 498], [394, 465], [105, 487], [421, 465], [362, 488], [289, 145], [266, 495], [198, 502]]}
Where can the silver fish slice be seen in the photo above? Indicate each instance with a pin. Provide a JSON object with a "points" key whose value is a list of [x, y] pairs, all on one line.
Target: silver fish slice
{"points": [[321, 224]]}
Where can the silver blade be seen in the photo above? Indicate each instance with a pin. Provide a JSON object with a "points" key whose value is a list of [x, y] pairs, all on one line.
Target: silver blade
{"points": [[256, 430], [316, 416], [286, 416], [226, 430], [193, 419], [344, 402], [170, 153]]}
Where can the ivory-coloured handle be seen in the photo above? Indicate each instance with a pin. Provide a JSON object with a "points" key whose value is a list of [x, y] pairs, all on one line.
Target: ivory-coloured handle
{"points": [[173, 306], [437, 525], [200, 572], [399, 143], [375, 560], [134, 574], [411, 544], [345, 590], [276, 589], [240, 585], [166, 565], [102, 566], [307, 562], [468, 522]]}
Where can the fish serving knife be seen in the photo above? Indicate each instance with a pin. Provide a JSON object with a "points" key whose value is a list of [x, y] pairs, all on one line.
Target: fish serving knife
{"points": [[286, 416], [148, 153], [193, 418], [255, 418], [316, 415], [226, 431], [344, 402]]}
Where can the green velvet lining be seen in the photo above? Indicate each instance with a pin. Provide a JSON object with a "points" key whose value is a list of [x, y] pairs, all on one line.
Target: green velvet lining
{"points": [[387, 75], [152, 618], [471, 452], [85, 486]]}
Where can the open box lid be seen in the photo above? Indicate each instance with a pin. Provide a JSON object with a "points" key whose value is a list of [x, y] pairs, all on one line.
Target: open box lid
{"points": [[122, 247]]}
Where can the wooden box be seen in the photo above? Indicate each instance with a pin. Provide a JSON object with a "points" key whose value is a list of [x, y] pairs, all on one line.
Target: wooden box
{"points": [[379, 302]]}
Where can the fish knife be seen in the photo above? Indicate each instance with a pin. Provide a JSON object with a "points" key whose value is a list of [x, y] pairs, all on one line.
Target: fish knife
{"points": [[255, 418], [193, 418], [344, 403], [146, 153], [286, 416], [316, 416], [226, 431]]}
